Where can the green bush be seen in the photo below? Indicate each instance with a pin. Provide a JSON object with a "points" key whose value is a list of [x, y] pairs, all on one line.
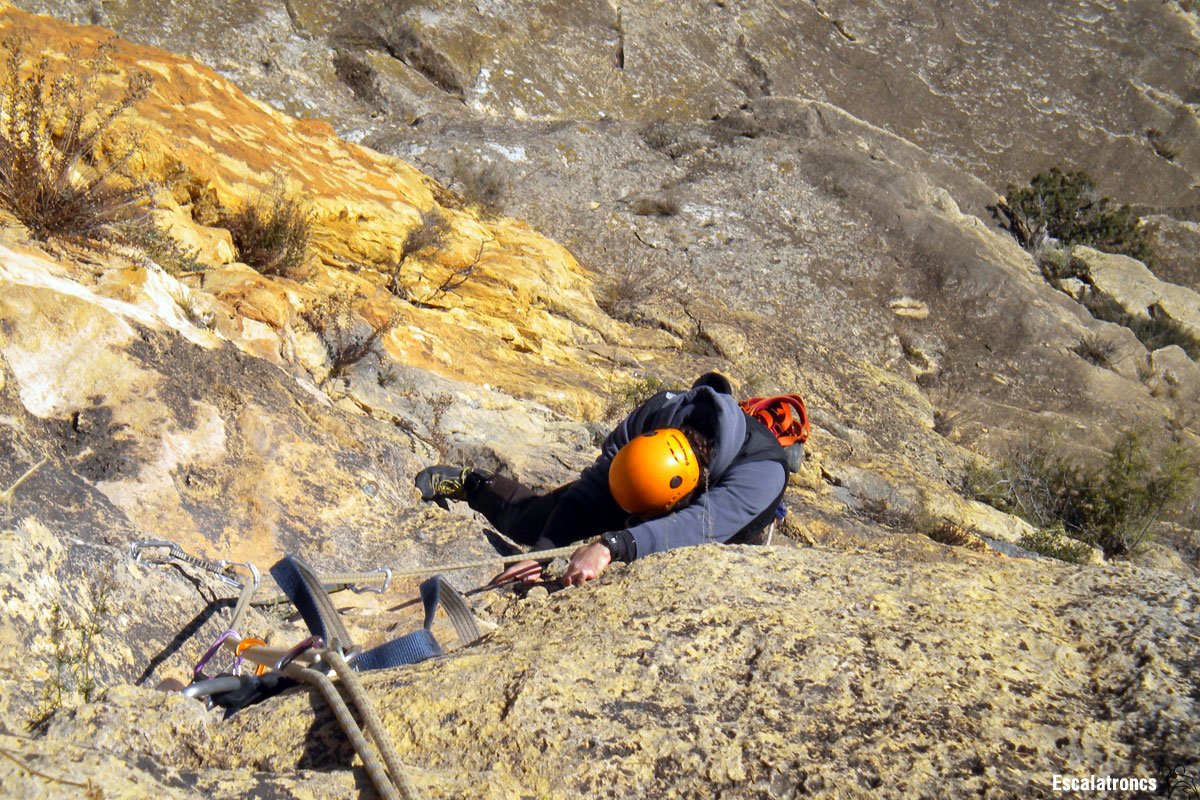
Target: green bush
{"points": [[49, 129], [1111, 504], [1067, 207]]}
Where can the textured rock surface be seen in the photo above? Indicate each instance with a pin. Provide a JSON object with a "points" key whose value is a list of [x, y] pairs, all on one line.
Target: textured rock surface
{"points": [[1133, 287], [768, 673], [834, 242], [974, 82]]}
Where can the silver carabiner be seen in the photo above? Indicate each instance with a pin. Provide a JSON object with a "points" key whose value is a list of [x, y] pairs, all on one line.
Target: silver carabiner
{"points": [[227, 566], [135, 549], [387, 582]]}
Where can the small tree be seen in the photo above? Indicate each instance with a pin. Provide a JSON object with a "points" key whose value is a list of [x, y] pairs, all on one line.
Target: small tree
{"points": [[428, 234], [1066, 206]]}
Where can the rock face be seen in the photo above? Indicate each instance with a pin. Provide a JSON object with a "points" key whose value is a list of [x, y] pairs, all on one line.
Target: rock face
{"points": [[968, 81], [747, 192], [777, 673], [1128, 283]]}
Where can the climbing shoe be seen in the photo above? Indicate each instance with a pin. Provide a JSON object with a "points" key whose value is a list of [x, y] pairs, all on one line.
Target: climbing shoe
{"points": [[441, 483]]}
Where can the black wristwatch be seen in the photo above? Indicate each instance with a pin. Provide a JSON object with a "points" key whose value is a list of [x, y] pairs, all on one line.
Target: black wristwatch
{"points": [[620, 544]]}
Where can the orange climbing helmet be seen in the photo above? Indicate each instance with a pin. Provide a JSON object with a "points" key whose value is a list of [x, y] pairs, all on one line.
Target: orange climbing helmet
{"points": [[652, 473]]}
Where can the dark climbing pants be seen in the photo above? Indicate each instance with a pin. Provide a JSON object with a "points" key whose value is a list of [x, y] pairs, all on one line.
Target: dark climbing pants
{"points": [[521, 514]]}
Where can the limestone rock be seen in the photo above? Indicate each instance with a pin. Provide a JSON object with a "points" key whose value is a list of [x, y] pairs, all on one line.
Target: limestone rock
{"points": [[909, 307], [700, 59], [1176, 370], [764, 672], [214, 410], [1176, 243], [1131, 285]]}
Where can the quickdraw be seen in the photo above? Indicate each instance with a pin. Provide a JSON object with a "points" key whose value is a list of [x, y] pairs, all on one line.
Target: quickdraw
{"points": [[376, 581], [174, 552], [329, 647]]}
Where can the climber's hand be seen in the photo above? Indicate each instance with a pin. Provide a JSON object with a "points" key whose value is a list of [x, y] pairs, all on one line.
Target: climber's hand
{"points": [[587, 563]]}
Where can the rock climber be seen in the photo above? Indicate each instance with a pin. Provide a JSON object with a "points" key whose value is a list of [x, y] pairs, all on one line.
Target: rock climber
{"points": [[683, 468]]}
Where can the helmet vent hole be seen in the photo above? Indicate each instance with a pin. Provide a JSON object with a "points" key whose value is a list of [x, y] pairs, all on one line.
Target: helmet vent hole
{"points": [[676, 482]]}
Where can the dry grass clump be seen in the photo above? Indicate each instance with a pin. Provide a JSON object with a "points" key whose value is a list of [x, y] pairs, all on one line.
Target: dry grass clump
{"points": [[666, 206], [382, 25], [271, 232], [481, 184], [50, 127], [1096, 349]]}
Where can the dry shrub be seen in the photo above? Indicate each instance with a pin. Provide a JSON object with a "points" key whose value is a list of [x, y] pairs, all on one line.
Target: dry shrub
{"points": [[633, 281], [428, 234], [456, 279], [666, 206], [158, 245], [50, 128], [358, 74], [271, 232], [481, 184], [346, 336]]}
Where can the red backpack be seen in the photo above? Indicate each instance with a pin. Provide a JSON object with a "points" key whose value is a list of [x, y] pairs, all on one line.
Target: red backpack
{"points": [[787, 418], [784, 414]]}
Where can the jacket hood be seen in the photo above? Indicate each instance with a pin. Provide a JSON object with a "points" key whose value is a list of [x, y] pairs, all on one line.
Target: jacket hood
{"points": [[728, 421]]}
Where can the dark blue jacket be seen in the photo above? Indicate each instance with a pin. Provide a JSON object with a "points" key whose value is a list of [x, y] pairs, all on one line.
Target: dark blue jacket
{"points": [[742, 486]]}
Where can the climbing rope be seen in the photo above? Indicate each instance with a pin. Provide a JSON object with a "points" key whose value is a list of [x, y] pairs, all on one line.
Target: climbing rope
{"points": [[141, 551], [373, 724], [537, 555], [314, 677]]}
